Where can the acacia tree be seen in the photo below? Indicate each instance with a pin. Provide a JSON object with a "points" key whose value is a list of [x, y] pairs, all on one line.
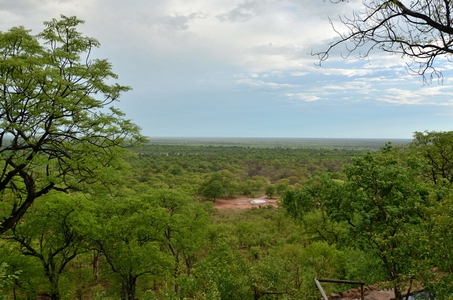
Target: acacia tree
{"points": [[421, 30], [56, 132]]}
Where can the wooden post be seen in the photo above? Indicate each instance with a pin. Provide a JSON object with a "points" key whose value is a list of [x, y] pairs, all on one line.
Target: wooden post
{"points": [[319, 280], [320, 289]]}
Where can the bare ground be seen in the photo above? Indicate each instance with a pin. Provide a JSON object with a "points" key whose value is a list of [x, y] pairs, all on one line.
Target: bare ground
{"points": [[243, 203]]}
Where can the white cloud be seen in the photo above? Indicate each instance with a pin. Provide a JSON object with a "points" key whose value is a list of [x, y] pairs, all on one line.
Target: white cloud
{"points": [[9, 17], [244, 11], [246, 48], [178, 22], [303, 97], [346, 72], [299, 73], [263, 85], [428, 96]]}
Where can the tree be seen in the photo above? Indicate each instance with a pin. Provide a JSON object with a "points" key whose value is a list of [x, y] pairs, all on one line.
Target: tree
{"points": [[184, 227], [222, 274], [439, 245], [281, 186], [421, 30], [51, 235], [213, 190], [219, 184], [6, 279], [128, 230], [384, 206], [437, 149], [270, 190], [56, 132]]}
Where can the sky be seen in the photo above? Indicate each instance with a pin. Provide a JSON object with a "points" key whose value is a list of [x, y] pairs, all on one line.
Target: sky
{"points": [[243, 68]]}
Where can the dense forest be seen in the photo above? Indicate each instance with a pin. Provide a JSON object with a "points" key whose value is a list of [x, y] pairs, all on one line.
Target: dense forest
{"points": [[376, 215]]}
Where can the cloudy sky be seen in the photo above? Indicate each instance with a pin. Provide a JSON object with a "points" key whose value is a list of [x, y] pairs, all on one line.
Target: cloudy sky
{"points": [[242, 68]]}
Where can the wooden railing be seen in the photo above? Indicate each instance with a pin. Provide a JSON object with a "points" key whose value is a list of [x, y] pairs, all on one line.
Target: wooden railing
{"points": [[319, 280]]}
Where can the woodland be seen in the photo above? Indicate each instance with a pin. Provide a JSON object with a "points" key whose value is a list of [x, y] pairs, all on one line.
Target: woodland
{"points": [[376, 216], [89, 209]]}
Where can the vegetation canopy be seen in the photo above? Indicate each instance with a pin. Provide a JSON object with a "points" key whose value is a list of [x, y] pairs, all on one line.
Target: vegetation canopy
{"points": [[57, 128], [110, 225]]}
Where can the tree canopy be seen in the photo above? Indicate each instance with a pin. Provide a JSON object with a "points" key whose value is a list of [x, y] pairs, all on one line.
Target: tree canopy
{"points": [[421, 30], [393, 205], [58, 128]]}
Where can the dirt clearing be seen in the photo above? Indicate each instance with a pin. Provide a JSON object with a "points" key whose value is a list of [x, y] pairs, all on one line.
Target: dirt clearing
{"points": [[243, 203]]}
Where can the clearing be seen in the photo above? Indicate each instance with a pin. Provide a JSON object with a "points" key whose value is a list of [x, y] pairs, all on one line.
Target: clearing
{"points": [[243, 203]]}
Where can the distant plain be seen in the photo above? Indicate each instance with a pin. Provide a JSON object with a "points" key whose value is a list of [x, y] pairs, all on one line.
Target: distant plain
{"points": [[290, 143]]}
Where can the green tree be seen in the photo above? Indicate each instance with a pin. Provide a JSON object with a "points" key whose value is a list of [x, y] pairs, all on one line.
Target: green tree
{"points": [[6, 279], [439, 246], [270, 190], [437, 149], [281, 186], [220, 184], [51, 235], [307, 206], [56, 132], [270, 278], [385, 203], [184, 225], [223, 274], [213, 190], [128, 230], [253, 185]]}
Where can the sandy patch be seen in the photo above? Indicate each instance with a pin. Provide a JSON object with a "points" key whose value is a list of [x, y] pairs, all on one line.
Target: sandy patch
{"points": [[243, 203]]}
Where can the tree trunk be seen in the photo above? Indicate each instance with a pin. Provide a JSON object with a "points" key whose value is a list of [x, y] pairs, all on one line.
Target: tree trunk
{"points": [[128, 287], [95, 264], [189, 263], [398, 294], [54, 290], [175, 253]]}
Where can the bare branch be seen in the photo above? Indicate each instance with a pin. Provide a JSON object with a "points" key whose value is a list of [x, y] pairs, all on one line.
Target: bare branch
{"points": [[422, 32]]}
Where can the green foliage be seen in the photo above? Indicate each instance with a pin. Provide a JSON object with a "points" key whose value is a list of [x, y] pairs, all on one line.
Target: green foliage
{"points": [[31, 278], [223, 274], [127, 230], [214, 172], [363, 266], [219, 184], [279, 143], [386, 204], [281, 186], [320, 260], [272, 275], [6, 279], [50, 235], [146, 235], [317, 226], [384, 211], [270, 191], [214, 189], [56, 132], [183, 232], [437, 149]]}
